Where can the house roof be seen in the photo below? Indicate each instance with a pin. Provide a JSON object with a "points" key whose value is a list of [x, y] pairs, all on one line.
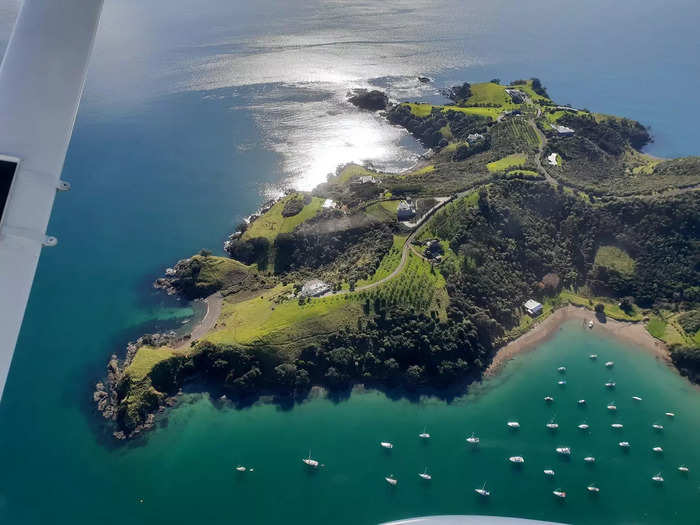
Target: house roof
{"points": [[531, 304]]}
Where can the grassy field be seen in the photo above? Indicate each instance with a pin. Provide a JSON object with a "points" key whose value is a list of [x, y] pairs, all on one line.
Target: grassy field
{"points": [[612, 308], [217, 272], [657, 327], [492, 113], [146, 358], [511, 161], [616, 259], [489, 93], [353, 171], [273, 223], [272, 318], [527, 89], [384, 211], [420, 110]]}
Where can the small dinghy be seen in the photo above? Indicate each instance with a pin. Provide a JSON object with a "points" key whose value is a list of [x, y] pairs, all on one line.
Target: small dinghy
{"points": [[391, 480], [559, 493], [609, 364], [593, 489], [593, 357], [581, 401], [513, 424], [482, 491], [616, 425], [561, 369], [561, 383], [658, 450], [589, 459], [548, 399], [386, 444], [656, 426], [612, 407], [241, 468], [564, 451], [584, 426], [636, 398], [549, 472], [670, 414], [624, 444], [610, 384]]}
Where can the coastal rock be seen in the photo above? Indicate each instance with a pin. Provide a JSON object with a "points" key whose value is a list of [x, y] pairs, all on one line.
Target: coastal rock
{"points": [[374, 100]]}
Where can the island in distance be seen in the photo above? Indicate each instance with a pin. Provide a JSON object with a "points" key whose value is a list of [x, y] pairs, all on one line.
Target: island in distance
{"points": [[412, 281]]}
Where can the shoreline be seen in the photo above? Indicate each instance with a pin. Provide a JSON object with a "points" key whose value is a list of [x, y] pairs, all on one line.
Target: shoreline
{"points": [[628, 332]]}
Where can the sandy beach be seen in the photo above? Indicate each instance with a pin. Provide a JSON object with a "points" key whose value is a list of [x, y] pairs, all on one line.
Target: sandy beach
{"points": [[633, 333]]}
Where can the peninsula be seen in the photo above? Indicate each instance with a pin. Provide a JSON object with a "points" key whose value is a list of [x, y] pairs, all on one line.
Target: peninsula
{"points": [[413, 281]]}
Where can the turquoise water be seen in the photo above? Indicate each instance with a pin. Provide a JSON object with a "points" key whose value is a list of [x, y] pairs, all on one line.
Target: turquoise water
{"points": [[193, 113]]}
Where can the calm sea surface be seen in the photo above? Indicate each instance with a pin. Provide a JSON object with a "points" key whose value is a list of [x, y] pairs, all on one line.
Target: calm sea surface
{"points": [[194, 112]]}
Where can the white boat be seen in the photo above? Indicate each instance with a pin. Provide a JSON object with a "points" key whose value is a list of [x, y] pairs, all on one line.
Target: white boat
{"points": [[658, 450], [561, 369], [683, 468], [656, 426], [658, 478], [609, 364], [513, 424], [612, 406], [424, 475], [636, 398], [473, 439], [386, 444], [251, 470], [310, 462], [482, 491], [561, 383], [549, 472], [240, 468], [584, 426], [552, 425], [590, 324], [616, 425], [564, 451], [424, 435], [559, 493], [593, 488], [391, 480], [593, 357], [610, 384], [581, 401], [624, 444], [589, 459], [548, 399], [516, 459], [670, 414]]}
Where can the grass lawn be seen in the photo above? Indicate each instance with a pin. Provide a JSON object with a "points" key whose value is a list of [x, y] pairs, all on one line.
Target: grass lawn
{"points": [[511, 161], [492, 113], [526, 173], [146, 358], [384, 211], [424, 170], [273, 223], [527, 88], [657, 327], [218, 271], [616, 259], [353, 171]]}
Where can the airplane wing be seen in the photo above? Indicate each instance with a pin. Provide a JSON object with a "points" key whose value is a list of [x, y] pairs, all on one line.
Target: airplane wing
{"points": [[41, 81]]}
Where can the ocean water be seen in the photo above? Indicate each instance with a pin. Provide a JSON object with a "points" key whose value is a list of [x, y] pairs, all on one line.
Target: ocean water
{"points": [[194, 112]]}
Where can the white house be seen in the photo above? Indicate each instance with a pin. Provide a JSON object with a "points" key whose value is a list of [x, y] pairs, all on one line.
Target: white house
{"points": [[563, 131], [314, 288], [533, 307]]}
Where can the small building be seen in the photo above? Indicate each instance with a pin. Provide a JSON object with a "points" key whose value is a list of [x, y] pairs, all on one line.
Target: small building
{"points": [[474, 137], [314, 288], [533, 308], [405, 211], [517, 96], [562, 131], [552, 159]]}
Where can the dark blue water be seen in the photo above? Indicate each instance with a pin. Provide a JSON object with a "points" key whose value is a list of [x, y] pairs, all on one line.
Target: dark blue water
{"points": [[194, 111]]}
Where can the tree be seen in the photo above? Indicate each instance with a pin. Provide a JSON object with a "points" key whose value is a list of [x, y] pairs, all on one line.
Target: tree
{"points": [[599, 308]]}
